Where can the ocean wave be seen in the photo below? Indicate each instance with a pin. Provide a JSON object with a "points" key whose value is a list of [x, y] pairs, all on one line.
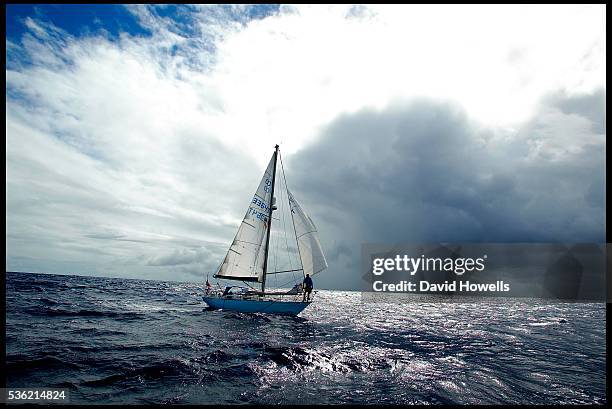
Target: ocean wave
{"points": [[163, 369], [25, 363], [59, 312], [92, 331]]}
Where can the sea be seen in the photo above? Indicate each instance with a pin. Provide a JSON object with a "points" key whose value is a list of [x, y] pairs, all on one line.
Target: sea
{"points": [[125, 341]]}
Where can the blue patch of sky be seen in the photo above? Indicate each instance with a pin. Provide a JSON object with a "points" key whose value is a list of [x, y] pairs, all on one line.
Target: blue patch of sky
{"points": [[76, 19], [190, 21], [246, 13], [183, 16], [261, 11], [112, 20], [87, 19]]}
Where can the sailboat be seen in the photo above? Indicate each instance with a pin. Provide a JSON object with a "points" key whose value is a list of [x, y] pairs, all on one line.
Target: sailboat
{"points": [[248, 257]]}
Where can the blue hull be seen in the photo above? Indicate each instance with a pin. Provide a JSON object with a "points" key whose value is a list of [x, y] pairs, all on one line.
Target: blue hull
{"points": [[265, 306]]}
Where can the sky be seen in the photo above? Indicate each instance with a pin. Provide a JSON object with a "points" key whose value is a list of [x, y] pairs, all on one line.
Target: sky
{"points": [[136, 135]]}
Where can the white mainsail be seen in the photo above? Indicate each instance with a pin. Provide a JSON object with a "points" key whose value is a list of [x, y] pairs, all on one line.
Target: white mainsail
{"points": [[245, 258], [313, 260]]}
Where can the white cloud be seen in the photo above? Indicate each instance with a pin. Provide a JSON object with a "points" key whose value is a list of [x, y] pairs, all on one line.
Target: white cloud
{"points": [[127, 139]]}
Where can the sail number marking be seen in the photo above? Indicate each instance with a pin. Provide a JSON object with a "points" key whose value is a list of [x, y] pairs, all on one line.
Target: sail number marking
{"points": [[260, 203], [258, 214]]}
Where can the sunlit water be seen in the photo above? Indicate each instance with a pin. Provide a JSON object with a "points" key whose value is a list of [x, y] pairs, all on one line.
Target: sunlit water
{"points": [[137, 341]]}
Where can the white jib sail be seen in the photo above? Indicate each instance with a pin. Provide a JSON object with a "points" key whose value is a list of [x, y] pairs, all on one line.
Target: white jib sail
{"points": [[245, 258], [313, 260]]}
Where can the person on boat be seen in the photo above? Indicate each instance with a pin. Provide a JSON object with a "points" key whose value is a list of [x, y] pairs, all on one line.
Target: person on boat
{"points": [[307, 287]]}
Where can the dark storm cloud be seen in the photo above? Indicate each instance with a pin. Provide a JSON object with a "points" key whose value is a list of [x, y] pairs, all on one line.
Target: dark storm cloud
{"points": [[423, 172], [591, 106]]}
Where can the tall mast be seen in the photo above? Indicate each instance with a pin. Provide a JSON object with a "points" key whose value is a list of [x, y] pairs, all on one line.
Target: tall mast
{"points": [[265, 265]]}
